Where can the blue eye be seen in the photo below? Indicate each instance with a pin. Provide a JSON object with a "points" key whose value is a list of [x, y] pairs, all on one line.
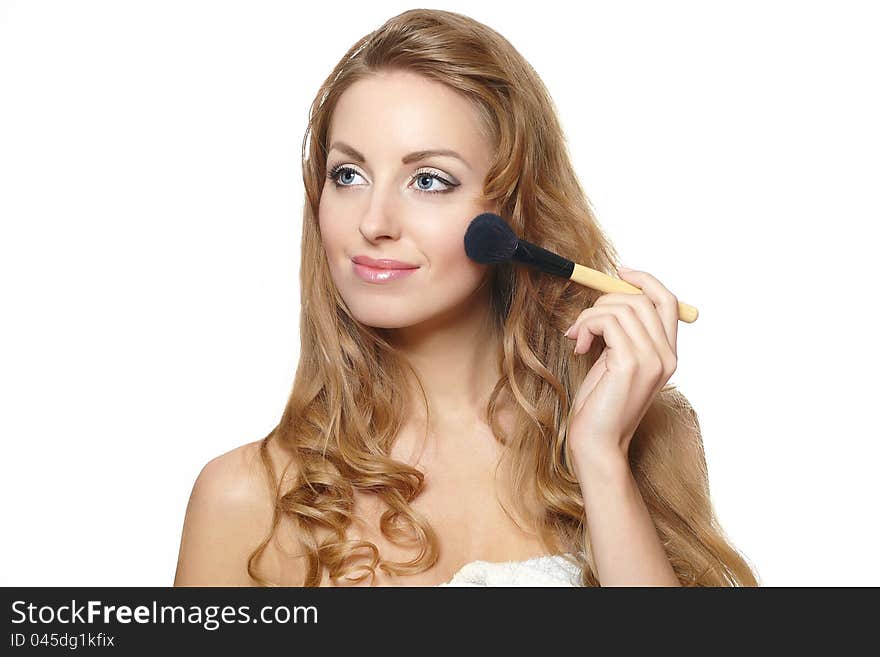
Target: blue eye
{"points": [[336, 173]]}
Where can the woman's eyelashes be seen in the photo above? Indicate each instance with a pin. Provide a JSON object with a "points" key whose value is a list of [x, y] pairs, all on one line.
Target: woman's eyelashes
{"points": [[340, 175]]}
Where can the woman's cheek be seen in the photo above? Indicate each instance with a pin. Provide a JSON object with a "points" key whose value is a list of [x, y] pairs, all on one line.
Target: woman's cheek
{"points": [[332, 233], [443, 235]]}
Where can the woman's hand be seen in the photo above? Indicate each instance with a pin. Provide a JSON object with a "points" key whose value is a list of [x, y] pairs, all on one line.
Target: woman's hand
{"points": [[640, 333]]}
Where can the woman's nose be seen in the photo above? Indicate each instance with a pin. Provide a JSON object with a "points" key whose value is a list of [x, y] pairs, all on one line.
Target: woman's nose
{"points": [[381, 217]]}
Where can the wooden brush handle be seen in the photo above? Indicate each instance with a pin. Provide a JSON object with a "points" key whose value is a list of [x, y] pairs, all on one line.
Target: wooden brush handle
{"points": [[599, 281]]}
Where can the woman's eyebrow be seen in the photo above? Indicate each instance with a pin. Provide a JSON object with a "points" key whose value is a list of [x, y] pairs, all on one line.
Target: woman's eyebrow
{"points": [[415, 156]]}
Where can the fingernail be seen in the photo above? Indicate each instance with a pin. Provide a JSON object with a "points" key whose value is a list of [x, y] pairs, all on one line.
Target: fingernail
{"points": [[569, 330]]}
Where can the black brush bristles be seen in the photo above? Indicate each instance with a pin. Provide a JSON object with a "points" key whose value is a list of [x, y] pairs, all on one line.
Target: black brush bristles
{"points": [[490, 240]]}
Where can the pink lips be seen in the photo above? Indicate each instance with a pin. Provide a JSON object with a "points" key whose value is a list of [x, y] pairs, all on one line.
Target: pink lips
{"points": [[381, 271], [384, 263]]}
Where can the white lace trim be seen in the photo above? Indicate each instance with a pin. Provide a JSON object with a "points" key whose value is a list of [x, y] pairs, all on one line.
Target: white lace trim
{"points": [[547, 570]]}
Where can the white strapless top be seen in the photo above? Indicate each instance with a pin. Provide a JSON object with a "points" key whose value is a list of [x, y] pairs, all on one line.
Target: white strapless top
{"points": [[547, 570]]}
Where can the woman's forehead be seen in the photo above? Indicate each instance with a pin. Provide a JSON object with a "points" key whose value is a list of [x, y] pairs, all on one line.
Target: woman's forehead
{"points": [[401, 115]]}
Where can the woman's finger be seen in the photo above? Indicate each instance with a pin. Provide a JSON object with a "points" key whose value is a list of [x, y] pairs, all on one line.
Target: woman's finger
{"points": [[663, 299]]}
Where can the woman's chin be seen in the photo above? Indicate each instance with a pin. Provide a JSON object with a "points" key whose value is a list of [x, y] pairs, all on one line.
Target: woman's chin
{"points": [[386, 319]]}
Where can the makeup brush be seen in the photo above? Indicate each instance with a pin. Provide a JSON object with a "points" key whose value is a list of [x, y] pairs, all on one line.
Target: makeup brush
{"points": [[490, 240]]}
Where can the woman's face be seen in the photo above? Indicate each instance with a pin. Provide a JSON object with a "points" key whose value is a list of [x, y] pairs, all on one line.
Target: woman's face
{"points": [[415, 212]]}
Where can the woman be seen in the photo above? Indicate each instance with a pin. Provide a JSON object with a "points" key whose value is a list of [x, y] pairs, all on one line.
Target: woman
{"points": [[443, 428]]}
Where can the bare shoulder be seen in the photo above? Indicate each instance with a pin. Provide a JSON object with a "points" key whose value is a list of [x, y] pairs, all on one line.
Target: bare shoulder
{"points": [[228, 516]]}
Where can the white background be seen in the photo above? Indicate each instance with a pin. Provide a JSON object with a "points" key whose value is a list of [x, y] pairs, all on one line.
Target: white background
{"points": [[151, 200]]}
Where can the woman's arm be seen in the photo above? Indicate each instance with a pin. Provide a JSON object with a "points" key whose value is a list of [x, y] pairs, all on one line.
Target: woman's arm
{"points": [[227, 517], [626, 548]]}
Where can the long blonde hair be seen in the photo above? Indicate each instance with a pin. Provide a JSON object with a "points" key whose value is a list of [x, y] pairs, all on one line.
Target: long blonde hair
{"points": [[343, 413]]}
